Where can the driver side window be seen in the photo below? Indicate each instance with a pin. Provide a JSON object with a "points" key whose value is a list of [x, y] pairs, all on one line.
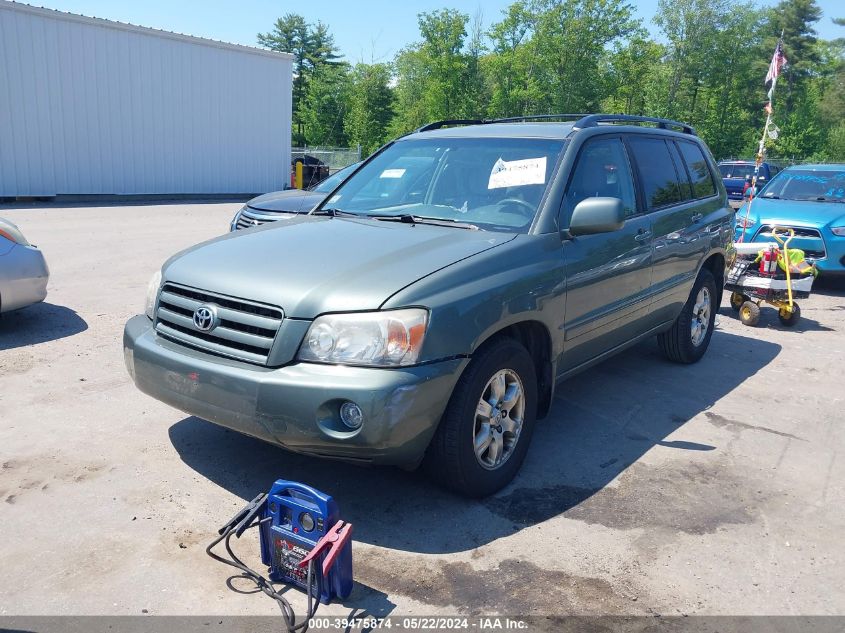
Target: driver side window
{"points": [[601, 170]]}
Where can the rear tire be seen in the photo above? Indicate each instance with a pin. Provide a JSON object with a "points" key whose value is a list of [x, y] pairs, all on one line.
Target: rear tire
{"points": [[498, 387], [737, 299], [688, 338], [749, 313]]}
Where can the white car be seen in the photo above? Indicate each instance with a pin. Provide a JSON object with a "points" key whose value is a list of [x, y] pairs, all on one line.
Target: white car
{"points": [[23, 270]]}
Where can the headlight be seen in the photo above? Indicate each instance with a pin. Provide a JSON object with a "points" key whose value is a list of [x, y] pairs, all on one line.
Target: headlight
{"points": [[392, 338], [838, 230], [233, 225], [152, 293]]}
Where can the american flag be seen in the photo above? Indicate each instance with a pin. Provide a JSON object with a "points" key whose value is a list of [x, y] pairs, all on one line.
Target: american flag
{"points": [[778, 62]]}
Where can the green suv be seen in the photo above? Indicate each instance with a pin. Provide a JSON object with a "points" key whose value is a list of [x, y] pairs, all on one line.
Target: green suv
{"points": [[425, 310]]}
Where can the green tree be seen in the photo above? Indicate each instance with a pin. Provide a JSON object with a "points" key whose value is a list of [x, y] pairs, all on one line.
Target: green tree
{"points": [[312, 47], [573, 40], [637, 77], [325, 105], [440, 77], [691, 28], [796, 20], [511, 65], [370, 106]]}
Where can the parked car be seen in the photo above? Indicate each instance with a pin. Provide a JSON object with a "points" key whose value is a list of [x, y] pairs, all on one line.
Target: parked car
{"points": [[737, 175], [425, 311], [283, 205], [23, 270], [808, 199]]}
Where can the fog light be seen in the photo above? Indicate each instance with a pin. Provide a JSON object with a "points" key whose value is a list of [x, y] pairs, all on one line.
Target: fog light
{"points": [[351, 415]]}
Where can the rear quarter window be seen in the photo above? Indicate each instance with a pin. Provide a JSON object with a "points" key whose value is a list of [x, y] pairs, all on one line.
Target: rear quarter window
{"points": [[699, 170]]}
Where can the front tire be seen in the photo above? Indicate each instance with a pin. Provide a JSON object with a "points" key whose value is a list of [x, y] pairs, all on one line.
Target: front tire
{"points": [[790, 318], [484, 434], [688, 338], [749, 314]]}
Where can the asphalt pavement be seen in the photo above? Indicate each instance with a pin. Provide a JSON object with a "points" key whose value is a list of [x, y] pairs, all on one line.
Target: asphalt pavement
{"points": [[652, 488]]}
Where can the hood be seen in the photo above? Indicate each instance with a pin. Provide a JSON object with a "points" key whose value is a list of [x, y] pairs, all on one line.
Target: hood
{"points": [[809, 213], [316, 264], [291, 201]]}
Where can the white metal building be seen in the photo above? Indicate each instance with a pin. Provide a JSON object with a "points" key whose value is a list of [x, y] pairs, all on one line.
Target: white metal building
{"points": [[90, 106]]}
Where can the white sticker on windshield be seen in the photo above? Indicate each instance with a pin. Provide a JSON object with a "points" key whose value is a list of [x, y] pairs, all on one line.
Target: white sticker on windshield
{"points": [[392, 173], [515, 173], [334, 198]]}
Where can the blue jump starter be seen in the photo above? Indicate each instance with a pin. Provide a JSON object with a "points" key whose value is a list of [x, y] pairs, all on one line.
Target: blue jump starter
{"points": [[299, 517]]}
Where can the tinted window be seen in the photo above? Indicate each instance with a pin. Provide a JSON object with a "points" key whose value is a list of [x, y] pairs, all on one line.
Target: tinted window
{"points": [[699, 171], [683, 176], [602, 170], [737, 170], [657, 171]]}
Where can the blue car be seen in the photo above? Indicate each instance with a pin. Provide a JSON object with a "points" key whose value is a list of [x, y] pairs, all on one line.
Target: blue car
{"points": [[809, 199], [737, 173]]}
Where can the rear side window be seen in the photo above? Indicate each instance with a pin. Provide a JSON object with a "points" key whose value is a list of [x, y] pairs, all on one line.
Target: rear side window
{"points": [[699, 170], [657, 171]]}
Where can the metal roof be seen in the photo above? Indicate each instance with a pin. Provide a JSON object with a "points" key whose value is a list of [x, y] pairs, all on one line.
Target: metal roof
{"points": [[124, 26]]}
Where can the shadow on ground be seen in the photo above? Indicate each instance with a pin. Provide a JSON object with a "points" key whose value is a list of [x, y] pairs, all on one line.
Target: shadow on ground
{"points": [[830, 286], [769, 320], [38, 323], [601, 423]]}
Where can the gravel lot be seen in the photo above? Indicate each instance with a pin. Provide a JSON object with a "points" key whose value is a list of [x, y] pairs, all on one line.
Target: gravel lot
{"points": [[652, 488]]}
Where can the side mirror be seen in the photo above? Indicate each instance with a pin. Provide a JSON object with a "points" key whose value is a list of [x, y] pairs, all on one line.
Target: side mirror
{"points": [[597, 215], [749, 191]]}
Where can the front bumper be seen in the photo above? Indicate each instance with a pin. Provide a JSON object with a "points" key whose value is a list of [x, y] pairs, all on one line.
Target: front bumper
{"points": [[297, 406]]}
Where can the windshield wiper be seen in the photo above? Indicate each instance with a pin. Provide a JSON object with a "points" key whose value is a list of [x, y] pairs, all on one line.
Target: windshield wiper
{"points": [[335, 213], [823, 199], [407, 218]]}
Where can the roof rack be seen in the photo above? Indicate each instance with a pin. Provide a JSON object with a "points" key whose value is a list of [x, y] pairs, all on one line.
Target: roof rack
{"points": [[536, 117], [581, 121], [592, 120], [436, 125]]}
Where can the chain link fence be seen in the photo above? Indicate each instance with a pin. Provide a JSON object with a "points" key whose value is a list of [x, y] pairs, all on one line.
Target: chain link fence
{"points": [[778, 161], [334, 157]]}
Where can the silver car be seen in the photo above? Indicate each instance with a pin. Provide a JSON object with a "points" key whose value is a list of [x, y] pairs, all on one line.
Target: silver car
{"points": [[23, 270]]}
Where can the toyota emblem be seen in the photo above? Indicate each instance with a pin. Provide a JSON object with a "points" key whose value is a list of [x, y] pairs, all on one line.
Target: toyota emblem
{"points": [[205, 318]]}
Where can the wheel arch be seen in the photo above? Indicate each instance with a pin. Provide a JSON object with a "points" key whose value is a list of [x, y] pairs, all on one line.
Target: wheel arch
{"points": [[535, 337], [715, 263]]}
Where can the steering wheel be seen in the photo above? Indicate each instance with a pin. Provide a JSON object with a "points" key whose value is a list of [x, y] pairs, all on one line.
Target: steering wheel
{"points": [[525, 208]]}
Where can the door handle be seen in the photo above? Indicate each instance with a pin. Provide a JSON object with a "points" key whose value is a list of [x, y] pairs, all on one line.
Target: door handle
{"points": [[697, 217], [642, 236]]}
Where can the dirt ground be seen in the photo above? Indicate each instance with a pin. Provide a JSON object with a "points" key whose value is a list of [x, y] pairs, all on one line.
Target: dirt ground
{"points": [[651, 488]]}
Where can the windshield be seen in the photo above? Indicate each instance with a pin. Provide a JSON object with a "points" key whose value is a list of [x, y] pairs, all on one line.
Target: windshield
{"points": [[495, 184], [804, 184], [736, 171], [328, 185]]}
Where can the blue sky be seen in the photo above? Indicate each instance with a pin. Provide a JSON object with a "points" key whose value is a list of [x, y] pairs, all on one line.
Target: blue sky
{"points": [[371, 30]]}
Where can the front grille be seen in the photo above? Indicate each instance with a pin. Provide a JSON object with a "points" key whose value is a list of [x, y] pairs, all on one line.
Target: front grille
{"points": [[245, 330], [252, 217], [803, 232]]}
